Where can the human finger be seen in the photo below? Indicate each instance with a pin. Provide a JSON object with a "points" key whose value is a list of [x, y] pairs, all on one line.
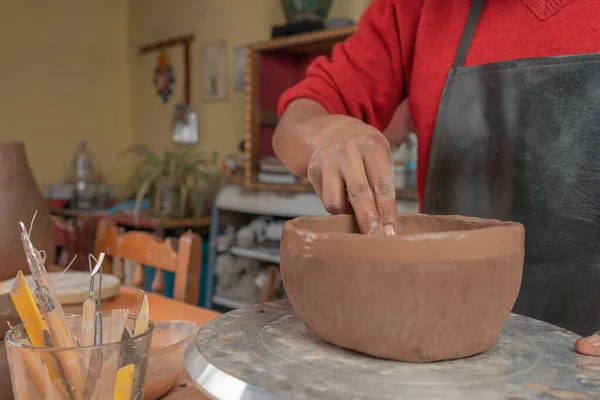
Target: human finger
{"points": [[378, 167], [360, 194]]}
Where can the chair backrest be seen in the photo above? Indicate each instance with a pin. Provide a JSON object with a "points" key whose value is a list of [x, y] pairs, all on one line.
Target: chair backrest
{"points": [[74, 237], [181, 256]]}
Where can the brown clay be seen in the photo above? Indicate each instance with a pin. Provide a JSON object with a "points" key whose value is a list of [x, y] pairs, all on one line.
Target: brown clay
{"points": [[442, 289], [20, 198]]}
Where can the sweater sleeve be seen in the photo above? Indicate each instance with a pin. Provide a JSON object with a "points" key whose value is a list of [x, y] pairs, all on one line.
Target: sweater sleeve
{"points": [[363, 77]]}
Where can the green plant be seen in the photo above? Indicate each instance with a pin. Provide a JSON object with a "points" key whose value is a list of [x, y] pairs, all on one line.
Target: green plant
{"points": [[183, 165]]}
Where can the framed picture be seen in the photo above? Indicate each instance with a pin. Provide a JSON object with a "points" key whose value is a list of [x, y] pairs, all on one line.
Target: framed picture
{"points": [[214, 71], [239, 68]]}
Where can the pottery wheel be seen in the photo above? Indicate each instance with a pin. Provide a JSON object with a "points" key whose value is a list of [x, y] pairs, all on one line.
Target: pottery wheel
{"points": [[265, 352]]}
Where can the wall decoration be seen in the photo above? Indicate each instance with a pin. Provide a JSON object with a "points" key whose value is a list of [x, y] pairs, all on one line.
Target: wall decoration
{"points": [[186, 125], [239, 68], [185, 122], [214, 71], [164, 78]]}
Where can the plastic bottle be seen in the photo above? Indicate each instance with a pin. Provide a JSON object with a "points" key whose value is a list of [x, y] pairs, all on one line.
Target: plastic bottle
{"points": [[411, 161], [83, 176]]}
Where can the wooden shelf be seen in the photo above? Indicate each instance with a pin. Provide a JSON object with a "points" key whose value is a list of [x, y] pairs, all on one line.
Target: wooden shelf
{"points": [[144, 221], [260, 253], [306, 43]]}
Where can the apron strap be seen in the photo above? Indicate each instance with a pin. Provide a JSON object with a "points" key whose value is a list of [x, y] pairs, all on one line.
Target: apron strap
{"points": [[467, 35]]}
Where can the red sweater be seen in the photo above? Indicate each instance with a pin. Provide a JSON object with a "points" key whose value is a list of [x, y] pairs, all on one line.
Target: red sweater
{"points": [[406, 47]]}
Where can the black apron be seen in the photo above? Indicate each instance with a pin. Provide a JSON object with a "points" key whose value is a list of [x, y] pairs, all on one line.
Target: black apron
{"points": [[520, 140]]}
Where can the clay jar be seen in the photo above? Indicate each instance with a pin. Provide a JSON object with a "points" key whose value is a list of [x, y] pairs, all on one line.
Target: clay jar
{"points": [[441, 289], [19, 199]]}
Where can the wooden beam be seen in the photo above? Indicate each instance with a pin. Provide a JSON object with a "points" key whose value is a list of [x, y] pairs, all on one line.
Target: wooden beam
{"points": [[176, 41]]}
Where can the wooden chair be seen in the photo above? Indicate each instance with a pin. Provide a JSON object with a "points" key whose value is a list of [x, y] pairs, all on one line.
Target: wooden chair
{"points": [[181, 256], [74, 237]]}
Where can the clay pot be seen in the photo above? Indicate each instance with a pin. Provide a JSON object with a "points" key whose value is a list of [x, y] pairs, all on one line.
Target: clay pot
{"points": [[19, 200], [442, 289]]}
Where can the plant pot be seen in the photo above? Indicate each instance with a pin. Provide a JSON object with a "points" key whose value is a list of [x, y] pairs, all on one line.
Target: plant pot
{"points": [[166, 198], [441, 289], [306, 10], [20, 199]]}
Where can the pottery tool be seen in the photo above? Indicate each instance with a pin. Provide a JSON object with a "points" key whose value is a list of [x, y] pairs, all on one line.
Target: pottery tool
{"points": [[530, 360], [98, 319], [88, 317], [124, 382], [141, 321], [108, 380], [36, 329], [118, 319], [28, 310]]}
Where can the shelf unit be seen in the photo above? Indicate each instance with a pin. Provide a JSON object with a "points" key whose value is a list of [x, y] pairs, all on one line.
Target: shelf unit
{"points": [[253, 202]]}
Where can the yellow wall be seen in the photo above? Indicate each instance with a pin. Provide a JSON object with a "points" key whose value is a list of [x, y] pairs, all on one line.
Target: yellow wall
{"points": [[238, 22], [65, 78], [71, 71]]}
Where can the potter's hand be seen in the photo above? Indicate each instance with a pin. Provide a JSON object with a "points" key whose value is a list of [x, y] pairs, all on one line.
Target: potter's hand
{"points": [[351, 171], [589, 345]]}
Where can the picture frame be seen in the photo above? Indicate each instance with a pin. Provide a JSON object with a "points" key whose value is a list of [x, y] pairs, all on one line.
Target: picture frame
{"points": [[214, 71]]}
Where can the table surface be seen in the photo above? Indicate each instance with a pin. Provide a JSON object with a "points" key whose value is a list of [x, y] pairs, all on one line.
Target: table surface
{"points": [[127, 219], [164, 308]]}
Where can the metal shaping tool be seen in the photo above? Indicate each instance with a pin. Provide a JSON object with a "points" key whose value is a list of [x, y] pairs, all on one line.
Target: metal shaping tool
{"points": [[265, 352]]}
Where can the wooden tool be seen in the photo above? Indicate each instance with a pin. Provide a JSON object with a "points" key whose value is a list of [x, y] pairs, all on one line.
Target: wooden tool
{"points": [[36, 330], [118, 319], [124, 382], [108, 380], [28, 310], [141, 321]]}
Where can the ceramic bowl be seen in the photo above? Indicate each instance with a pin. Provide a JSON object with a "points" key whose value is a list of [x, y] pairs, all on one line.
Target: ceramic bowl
{"points": [[441, 289], [165, 363]]}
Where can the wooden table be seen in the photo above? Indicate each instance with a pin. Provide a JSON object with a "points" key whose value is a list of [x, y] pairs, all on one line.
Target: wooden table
{"points": [[163, 308]]}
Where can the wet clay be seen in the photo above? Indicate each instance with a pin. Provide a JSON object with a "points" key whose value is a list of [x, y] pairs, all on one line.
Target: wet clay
{"points": [[441, 289]]}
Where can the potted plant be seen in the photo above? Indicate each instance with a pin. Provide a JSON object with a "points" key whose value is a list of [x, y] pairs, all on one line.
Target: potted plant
{"points": [[171, 180]]}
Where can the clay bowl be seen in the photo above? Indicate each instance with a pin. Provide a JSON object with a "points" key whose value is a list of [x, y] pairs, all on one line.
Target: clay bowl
{"points": [[165, 362], [442, 289]]}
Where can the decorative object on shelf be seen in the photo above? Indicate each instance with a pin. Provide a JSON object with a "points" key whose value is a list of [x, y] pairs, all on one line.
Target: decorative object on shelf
{"points": [[272, 170], [306, 10], [225, 241], [170, 179], [245, 237], [19, 202], [185, 121], [302, 16], [239, 68], [164, 77], [214, 71], [186, 125], [236, 277]]}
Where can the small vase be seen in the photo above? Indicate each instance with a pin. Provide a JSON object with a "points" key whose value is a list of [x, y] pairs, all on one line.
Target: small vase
{"points": [[20, 199], [305, 10]]}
